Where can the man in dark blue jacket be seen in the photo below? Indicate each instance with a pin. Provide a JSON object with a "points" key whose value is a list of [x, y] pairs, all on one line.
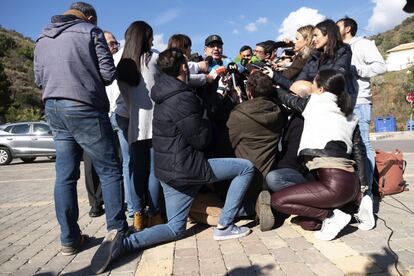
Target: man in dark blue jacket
{"points": [[72, 66]]}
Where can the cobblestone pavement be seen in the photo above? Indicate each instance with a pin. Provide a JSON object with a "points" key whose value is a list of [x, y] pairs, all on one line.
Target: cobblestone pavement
{"points": [[29, 239]]}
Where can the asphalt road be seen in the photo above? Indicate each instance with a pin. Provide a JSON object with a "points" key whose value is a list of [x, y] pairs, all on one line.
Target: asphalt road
{"points": [[390, 145]]}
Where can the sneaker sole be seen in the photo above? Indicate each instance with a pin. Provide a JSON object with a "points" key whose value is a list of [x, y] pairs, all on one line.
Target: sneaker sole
{"points": [[103, 255], [266, 218], [229, 237]]}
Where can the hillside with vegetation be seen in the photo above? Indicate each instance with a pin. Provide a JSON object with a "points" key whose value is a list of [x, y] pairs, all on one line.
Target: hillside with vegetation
{"points": [[403, 33], [390, 89], [20, 99]]}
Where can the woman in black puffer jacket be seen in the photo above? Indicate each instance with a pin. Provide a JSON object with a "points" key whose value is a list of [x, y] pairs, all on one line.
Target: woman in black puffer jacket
{"points": [[180, 133]]}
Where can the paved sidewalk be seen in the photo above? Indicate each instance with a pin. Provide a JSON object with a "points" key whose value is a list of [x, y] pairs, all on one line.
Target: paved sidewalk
{"points": [[29, 239]]}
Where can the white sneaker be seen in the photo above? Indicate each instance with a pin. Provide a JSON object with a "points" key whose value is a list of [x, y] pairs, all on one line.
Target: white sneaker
{"points": [[333, 225], [365, 215]]}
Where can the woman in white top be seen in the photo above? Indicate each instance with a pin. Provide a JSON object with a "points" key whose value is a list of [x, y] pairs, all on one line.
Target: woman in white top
{"points": [[330, 141], [136, 71]]}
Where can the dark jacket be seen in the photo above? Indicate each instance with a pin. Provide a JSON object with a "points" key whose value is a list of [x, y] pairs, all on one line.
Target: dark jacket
{"points": [[295, 68], [73, 61], [332, 149], [255, 128], [290, 143], [341, 62], [180, 134]]}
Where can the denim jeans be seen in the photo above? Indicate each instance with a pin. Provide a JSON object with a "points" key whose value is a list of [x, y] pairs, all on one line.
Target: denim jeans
{"points": [[143, 177], [282, 178], [178, 200], [363, 112], [120, 126], [79, 127]]}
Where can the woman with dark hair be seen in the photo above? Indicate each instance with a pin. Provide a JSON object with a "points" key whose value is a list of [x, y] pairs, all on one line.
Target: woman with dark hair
{"points": [[330, 135], [330, 53], [197, 77], [136, 72]]}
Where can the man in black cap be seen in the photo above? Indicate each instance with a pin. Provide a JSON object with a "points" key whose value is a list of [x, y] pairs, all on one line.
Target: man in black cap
{"points": [[214, 47], [217, 105]]}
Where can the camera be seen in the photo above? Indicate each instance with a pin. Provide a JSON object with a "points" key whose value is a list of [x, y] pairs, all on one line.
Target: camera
{"points": [[195, 57]]}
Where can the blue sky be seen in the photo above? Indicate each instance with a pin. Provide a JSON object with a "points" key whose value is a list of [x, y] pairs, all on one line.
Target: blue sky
{"points": [[238, 22]]}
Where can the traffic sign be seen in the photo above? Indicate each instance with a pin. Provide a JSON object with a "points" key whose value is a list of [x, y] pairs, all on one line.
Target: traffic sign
{"points": [[410, 97]]}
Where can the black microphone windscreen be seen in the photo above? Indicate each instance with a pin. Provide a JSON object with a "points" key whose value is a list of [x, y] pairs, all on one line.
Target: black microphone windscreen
{"points": [[244, 62]]}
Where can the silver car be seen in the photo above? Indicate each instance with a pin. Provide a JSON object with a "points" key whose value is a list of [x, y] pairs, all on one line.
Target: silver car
{"points": [[25, 140]]}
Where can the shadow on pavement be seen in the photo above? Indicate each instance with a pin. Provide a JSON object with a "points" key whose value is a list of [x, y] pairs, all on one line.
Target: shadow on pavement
{"points": [[252, 270], [195, 229], [386, 260]]}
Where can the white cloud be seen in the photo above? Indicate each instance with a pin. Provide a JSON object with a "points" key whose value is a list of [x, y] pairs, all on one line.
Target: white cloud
{"points": [[235, 31], [159, 43], [242, 16], [262, 20], [297, 19], [167, 16], [231, 22], [386, 15], [252, 27]]}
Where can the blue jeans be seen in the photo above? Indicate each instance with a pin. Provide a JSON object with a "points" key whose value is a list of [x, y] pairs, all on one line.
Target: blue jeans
{"points": [[178, 200], [282, 178], [143, 177], [78, 127], [120, 126], [363, 112]]}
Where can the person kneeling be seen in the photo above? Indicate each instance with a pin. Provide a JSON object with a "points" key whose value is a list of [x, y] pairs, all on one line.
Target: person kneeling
{"points": [[329, 137], [179, 136]]}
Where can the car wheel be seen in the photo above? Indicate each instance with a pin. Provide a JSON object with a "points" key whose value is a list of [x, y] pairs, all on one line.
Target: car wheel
{"points": [[5, 156], [52, 157], [28, 159]]}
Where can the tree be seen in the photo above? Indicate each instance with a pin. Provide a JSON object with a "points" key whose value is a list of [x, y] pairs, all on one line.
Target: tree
{"points": [[5, 93]]}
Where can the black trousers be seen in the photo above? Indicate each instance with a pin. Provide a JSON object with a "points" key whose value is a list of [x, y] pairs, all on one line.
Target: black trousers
{"points": [[93, 186]]}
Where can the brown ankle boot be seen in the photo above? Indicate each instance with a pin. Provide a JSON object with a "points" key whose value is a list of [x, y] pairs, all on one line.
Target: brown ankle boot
{"points": [[155, 220], [140, 221]]}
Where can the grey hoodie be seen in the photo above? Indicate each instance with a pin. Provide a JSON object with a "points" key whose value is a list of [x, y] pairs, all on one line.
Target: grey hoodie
{"points": [[73, 61]]}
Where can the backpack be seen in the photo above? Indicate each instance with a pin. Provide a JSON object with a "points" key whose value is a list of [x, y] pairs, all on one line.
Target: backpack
{"points": [[388, 175]]}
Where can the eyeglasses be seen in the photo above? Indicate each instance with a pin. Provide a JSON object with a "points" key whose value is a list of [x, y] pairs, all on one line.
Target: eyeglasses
{"points": [[114, 44]]}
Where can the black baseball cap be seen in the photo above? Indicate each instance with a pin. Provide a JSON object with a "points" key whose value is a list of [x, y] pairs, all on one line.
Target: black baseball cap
{"points": [[213, 38]]}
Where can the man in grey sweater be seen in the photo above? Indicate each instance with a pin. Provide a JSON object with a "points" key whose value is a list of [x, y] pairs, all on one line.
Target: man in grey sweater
{"points": [[72, 66], [367, 62]]}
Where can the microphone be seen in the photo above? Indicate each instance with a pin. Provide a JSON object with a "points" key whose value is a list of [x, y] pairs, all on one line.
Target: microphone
{"points": [[232, 69], [244, 62], [217, 70]]}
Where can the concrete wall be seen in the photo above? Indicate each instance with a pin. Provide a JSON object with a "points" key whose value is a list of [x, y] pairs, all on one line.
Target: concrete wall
{"points": [[400, 60]]}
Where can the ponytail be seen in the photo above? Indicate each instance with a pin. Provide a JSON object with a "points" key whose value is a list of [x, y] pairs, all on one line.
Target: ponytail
{"points": [[333, 81], [345, 103]]}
